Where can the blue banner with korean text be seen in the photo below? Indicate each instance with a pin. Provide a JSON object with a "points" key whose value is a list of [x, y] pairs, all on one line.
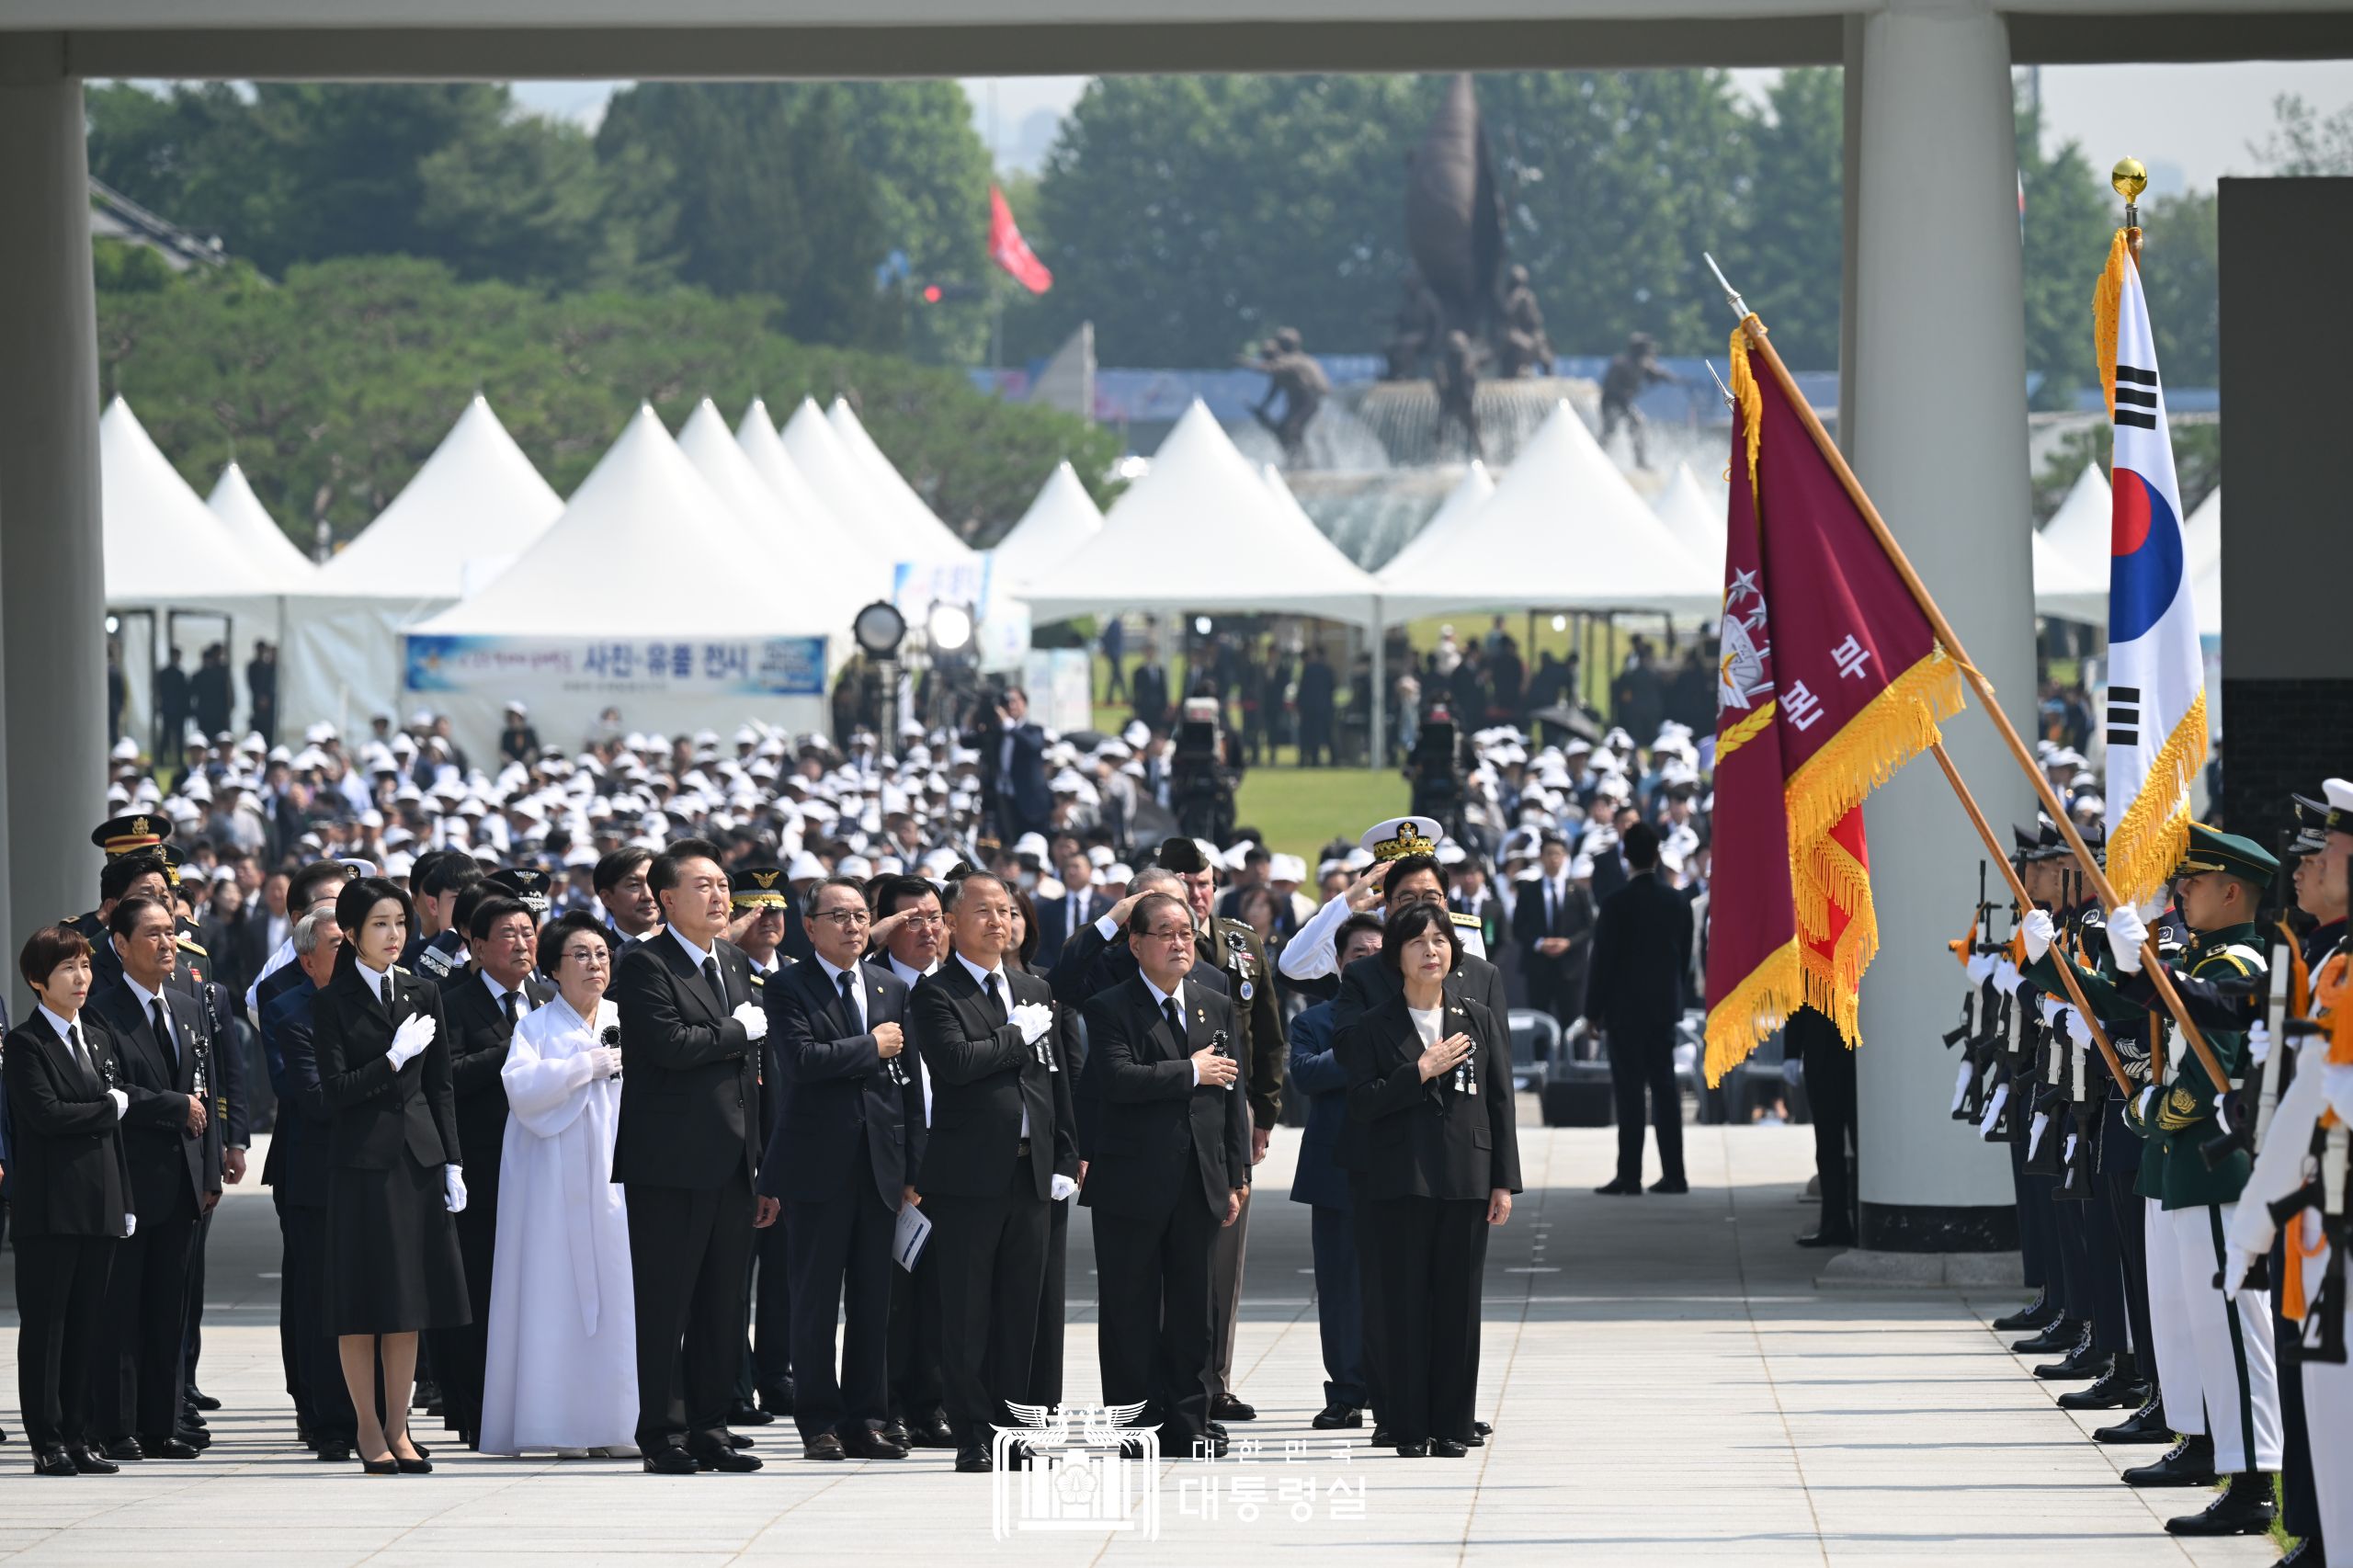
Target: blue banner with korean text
{"points": [[506, 666]]}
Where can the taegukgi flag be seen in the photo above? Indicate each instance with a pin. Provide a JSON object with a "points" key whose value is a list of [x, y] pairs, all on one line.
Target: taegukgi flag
{"points": [[2157, 680]]}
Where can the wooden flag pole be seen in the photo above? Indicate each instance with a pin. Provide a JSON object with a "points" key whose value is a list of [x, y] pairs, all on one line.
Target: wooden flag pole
{"points": [[1753, 327], [2018, 890]]}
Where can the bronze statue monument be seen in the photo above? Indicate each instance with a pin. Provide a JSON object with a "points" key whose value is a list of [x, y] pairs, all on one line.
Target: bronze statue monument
{"points": [[1292, 375], [1633, 372]]}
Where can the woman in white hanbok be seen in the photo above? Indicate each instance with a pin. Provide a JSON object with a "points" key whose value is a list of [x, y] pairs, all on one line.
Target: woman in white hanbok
{"points": [[561, 1373]]}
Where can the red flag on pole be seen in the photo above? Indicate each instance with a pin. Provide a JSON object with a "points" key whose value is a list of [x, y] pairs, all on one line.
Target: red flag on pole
{"points": [[1830, 678], [1010, 251]]}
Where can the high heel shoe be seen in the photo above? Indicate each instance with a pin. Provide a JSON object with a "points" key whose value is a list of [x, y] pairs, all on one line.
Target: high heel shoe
{"points": [[386, 1466], [421, 1465]]}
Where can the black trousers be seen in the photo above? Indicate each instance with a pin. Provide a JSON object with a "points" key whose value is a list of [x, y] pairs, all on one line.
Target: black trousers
{"points": [[192, 1331], [1045, 1382], [2038, 1244], [2104, 1251], [1639, 1060], [688, 1248], [1339, 1304], [767, 1360], [60, 1331], [841, 1272], [460, 1355], [323, 1400], [1830, 1094], [914, 1339], [1364, 1230], [2066, 1228], [1429, 1253], [1153, 1284], [140, 1380], [2127, 1221], [991, 1256]]}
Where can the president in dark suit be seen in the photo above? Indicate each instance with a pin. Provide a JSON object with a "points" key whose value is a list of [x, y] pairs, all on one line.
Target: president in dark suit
{"points": [[1013, 769], [1172, 1159], [1001, 1149], [1641, 947], [1552, 924], [687, 1150], [481, 1005], [172, 1145], [840, 1163], [70, 1185]]}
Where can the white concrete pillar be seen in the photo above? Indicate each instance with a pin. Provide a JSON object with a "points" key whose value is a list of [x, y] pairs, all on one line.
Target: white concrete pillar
{"points": [[1939, 420], [53, 587]]}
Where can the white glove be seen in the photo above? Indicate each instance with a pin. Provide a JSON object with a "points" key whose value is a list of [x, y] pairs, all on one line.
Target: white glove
{"points": [[2067, 1151], [1063, 1188], [2034, 1133], [1981, 968], [2236, 1261], [2079, 1028], [1961, 1082], [121, 1102], [2126, 932], [604, 1061], [129, 1226], [2007, 978], [2148, 1097], [1033, 1019], [2052, 1008], [755, 1020], [453, 1188], [1994, 1110], [2259, 1041], [2038, 930], [2222, 1113], [2336, 1089], [410, 1039]]}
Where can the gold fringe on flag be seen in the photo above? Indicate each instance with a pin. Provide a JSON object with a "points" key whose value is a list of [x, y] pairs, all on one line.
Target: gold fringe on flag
{"points": [[1752, 407], [2107, 297], [1757, 1007], [2148, 843], [1894, 727]]}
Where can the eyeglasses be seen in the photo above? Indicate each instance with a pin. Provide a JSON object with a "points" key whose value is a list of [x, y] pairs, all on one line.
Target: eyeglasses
{"points": [[588, 957], [847, 919]]}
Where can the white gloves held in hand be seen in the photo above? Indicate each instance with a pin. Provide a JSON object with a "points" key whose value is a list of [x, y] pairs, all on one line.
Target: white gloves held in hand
{"points": [[2126, 932], [754, 1018], [129, 1226], [410, 1039], [453, 1188], [2039, 932], [122, 1103], [604, 1061], [1033, 1019], [2259, 1042], [1981, 968], [2079, 1028], [1063, 1187], [2007, 978]]}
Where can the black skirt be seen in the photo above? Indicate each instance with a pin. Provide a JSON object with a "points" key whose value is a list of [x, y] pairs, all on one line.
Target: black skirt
{"points": [[392, 1252]]}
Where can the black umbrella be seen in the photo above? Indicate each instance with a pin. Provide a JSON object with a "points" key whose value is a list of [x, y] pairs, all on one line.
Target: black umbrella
{"points": [[1577, 721]]}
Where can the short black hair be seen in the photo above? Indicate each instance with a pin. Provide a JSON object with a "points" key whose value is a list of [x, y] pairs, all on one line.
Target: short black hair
{"points": [[893, 894], [1406, 865], [1351, 926], [613, 867], [453, 871], [663, 875], [562, 929], [472, 897], [1411, 922], [302, 887], [491, 908], [47, 948], [809, 900], [116, 877], [1640, 845], [127, 914]]}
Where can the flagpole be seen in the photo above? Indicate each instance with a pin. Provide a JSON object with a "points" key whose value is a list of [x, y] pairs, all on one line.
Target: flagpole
{"points": [[1753, 327], [2026, 905]]}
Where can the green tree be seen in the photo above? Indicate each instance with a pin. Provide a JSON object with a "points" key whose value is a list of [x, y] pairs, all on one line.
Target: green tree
{"points": [[2180, 269], [2302, 143], [1790, 257], [2070, 215]]}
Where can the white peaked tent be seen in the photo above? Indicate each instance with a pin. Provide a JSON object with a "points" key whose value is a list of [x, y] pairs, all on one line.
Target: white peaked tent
{"points": [[234, 502], [755, 433], [1563, 531], [930, 539], [464, 515], [1062, 519], [838, 478], [1437, 535], [596, 573], [2064, 588], [2078, 531], [1202, 531], [839, 577], [1694, 514]]}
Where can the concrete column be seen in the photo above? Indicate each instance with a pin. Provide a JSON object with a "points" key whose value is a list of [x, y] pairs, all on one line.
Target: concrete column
{"points": [[1939, 392], [53, 580]]}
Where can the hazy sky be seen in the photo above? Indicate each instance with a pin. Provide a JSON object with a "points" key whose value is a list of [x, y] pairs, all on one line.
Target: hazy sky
{"points": [[2188, 123]]}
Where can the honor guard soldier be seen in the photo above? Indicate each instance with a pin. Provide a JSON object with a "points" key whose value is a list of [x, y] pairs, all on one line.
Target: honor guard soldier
{"points": [[527, 885], [2214, 1353]]}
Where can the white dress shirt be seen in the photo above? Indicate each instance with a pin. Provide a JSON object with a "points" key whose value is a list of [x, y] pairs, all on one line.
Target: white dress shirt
{"points": [[1160, 999], [147, 1000], [498, 996], [857, 988]]}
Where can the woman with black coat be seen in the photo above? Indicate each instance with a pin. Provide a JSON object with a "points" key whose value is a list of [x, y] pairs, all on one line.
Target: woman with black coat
{"points": [[1437, 1155], [393, 1262]]}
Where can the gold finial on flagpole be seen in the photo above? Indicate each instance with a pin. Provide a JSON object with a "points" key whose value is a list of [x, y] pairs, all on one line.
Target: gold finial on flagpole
{"points": [[2130, 178]]}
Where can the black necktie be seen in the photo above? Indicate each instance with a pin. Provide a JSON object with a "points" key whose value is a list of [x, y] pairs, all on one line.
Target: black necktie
{"points": [[80, 1050], [1168, 1011], [996, 1003], [163, 1039], [717, 989], [849, 999], [512, 1004]]}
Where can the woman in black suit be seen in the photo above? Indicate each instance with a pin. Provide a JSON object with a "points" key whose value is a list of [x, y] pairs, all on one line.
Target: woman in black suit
{"points": [[1429, 1090], [71, 1185], [393, 1262]]}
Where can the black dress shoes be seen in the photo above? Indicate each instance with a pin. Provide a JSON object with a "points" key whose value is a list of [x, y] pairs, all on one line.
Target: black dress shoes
{"points": [[2305, 1553], [748, 1415], [2190, 1462], [823, 1446], [1336, 1415], [2146, 1425], [1381, 1438], [335, 1453], [1225, 1408], [1447, 1448], [201, 1400], [737, 1440], [54, 1462], [973, 1462], [1619, 1188], [194, 1437], [1420, 1450], [1482, 1429], [2056, 1337], [1217, 1428], [1826, 1236], [896, 1432], [1671, 1185], [87, 1460], [865, 1443], [728, 1460], [2119, 1387], [931, 1431], [163, 1448], [778, 1400], [123, 1450], [2244, 1508], [669, 1460], [2035, 1315], [2077, 1365]]}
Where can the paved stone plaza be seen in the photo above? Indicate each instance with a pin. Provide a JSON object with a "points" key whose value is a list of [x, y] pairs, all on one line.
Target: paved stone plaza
{"points": [[1666, 1380]]}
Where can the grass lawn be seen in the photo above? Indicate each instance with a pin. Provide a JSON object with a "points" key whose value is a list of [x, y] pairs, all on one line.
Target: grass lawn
{"points": [[1299, 809]]}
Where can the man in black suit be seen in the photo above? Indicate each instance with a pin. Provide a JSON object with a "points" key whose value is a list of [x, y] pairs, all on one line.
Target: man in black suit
{"points": [[1314, 700], [1641, 945], [909, 936], [173, 1146], [1082, 903], [685, 1150], [1013, 769], [1552, 923], [70, 1188], [1171, 1159], [296, 1174], [1001, 1149], [838, 1165], [481, 1005], [1150, 685]]}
